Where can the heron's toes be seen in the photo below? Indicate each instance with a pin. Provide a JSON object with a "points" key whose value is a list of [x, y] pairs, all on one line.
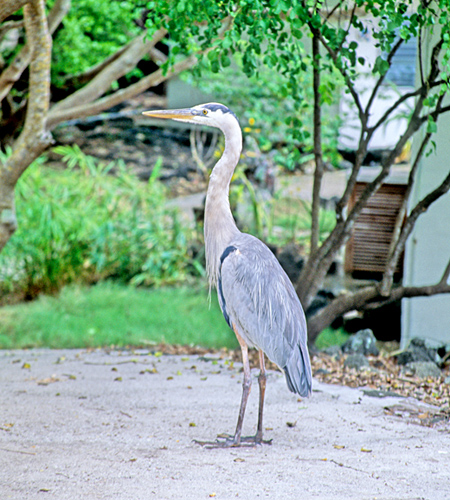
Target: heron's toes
{"points": [[229, 441], [218, 443], [255, 440]]}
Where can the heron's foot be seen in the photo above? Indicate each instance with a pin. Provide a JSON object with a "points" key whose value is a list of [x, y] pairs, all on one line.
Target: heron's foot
{"points": [[230, 441], [255, 440]]}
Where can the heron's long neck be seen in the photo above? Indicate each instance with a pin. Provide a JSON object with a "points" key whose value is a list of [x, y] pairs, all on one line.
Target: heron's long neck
{"points": [[220, 227]]}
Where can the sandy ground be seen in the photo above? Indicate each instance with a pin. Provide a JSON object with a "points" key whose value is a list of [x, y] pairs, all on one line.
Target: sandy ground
{"points": [[121, 425]]}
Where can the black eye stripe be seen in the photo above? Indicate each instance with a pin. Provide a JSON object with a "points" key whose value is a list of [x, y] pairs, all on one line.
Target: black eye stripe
{"points": [[216, 107]]}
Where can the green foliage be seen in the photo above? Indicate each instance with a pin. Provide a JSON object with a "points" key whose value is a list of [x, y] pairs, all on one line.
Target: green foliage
{"points": [[112, 314], [83, 224], [291, 221], [92, 31], [272, 40], [330, 337], [270, 115]]}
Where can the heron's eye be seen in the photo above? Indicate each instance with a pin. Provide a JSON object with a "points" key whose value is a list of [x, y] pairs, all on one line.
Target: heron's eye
{"points": [[205, 112]]}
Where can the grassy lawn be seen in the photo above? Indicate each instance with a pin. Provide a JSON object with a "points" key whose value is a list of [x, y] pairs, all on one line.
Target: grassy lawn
{"points": [[117, 315], [293, 217], [109, 314]]}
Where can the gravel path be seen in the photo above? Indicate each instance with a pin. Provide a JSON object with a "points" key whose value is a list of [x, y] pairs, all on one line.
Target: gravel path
{"points": [[120, 425]]}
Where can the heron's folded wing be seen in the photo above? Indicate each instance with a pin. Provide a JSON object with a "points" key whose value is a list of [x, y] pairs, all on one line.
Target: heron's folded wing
{"points": [[258, 298]]}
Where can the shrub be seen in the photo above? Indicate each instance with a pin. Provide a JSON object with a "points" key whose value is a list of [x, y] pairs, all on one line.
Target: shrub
{"points": [[84, 224]]}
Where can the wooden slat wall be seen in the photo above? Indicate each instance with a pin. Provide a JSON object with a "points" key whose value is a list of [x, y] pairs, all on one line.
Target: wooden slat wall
{"points": [[367, 250]]}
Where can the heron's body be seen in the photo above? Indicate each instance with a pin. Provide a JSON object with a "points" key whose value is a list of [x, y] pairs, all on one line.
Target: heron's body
{"points": [[260, 321], [257, 298]]}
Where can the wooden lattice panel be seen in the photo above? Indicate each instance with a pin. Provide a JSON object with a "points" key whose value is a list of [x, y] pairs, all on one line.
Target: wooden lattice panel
{"points": [[368, 248]]}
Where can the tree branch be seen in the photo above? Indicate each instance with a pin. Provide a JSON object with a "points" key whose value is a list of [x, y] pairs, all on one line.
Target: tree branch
{"points": [[101, 83], [348, 82], [318, 171], [370, 298], [95, 107], [333, 10], [8, 7], [395, 105], [445, 275], [34, 137], [62, 113], [382, 77], [443, 109], [88, 75], [13, 72], [319, 261], [409, 292], [10, 25]]}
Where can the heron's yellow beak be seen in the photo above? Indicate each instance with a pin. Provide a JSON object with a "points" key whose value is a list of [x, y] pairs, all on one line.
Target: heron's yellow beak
{"points": [[175, 114]]}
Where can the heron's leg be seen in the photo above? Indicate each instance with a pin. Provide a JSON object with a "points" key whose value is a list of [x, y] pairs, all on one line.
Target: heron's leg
{"points": [[262, 391], [227, 440], [246, 386]]}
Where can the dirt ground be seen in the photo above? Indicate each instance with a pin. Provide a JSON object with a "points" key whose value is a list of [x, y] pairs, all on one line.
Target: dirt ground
{"points": [[120, 425]]}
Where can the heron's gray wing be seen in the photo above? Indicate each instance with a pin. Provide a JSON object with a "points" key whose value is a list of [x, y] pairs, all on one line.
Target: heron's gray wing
{"points": [[257, 297]]}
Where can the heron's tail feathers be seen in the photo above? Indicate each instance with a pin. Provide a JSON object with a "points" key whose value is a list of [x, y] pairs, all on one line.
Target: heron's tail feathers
{"points": [[298, 372]]}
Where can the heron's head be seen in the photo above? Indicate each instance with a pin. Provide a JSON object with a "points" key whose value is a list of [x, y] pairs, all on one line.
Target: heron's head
{"points": [[212, 114]]}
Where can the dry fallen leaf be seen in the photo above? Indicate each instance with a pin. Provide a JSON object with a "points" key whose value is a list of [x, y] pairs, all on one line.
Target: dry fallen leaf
{"points": [[48, 380], [338, 446]]}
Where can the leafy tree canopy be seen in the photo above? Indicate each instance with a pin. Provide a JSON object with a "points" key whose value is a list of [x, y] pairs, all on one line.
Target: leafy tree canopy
{"points": [[92, 31], [277, 33]]}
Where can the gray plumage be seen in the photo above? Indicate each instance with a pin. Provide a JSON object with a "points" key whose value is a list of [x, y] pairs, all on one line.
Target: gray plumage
{"points": [[256, 297], [259, 299]]}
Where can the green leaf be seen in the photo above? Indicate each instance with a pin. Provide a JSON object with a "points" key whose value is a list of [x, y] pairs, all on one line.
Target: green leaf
{"points": [[431, 126], [381, 66]]}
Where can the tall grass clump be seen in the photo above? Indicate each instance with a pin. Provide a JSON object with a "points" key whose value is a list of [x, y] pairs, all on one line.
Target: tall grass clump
{"points": [[92, 221]]}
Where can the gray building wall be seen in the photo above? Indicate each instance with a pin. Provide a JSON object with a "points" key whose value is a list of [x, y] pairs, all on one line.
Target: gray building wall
{"points": [[428, 248]]}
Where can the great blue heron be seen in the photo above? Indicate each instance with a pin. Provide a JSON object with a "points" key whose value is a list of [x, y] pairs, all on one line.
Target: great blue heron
{"points": [[257, 298]]}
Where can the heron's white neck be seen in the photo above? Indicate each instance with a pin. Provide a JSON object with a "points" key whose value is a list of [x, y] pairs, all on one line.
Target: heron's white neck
{"points": [[220, 227]]}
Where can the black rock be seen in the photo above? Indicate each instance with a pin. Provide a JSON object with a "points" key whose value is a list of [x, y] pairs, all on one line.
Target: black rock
{"points": [[363, 342], [334, 351], [291, 260], [422, 369], [356, 361], [321, 300], [418, 351]]}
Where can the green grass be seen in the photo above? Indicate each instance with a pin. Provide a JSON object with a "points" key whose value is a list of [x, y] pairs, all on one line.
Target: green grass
{"points": [[110, 314], [294, 217], [117, 315], [330, 336]]}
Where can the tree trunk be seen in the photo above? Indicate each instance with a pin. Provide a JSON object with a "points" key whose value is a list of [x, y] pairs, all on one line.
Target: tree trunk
{"points": [[318, 156], [13, 72], [8, 7], [34, 137]]}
